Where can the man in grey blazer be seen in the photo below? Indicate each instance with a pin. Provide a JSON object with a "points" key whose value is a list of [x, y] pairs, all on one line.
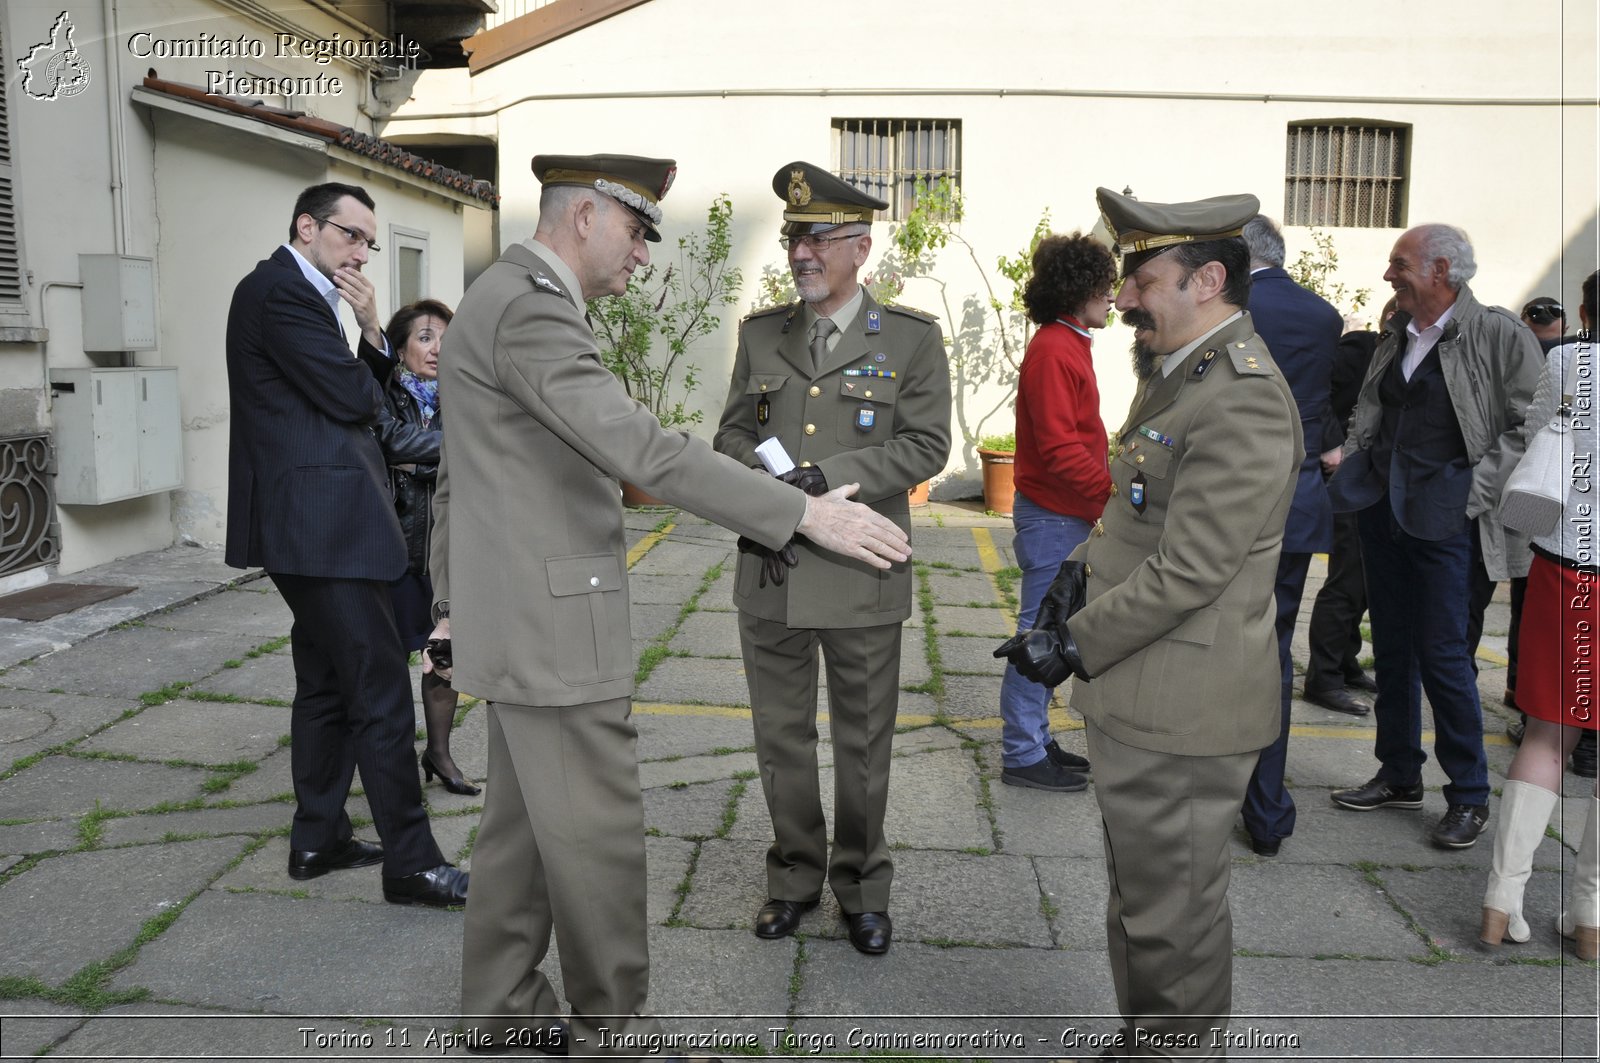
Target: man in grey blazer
{"points": [[529, 571], [1175, 651]]}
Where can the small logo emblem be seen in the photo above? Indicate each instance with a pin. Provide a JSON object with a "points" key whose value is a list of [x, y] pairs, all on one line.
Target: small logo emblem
{"points": [[55, 69], [799, 190]]}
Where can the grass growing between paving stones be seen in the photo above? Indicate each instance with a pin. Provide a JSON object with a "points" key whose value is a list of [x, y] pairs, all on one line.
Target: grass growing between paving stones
{"points": [[934, 684], [1006, 580], [167, 693], [685, 884], [657, 651], [235, 699], [730, 811], [1436, 954]]}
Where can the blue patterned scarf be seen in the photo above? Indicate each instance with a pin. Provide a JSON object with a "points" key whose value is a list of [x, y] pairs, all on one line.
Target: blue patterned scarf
{"points": [[426, 392]]}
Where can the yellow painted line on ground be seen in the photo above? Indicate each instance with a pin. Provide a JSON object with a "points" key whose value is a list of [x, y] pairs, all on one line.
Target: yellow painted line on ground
{"points": [[645, 545], [1486, 654]]}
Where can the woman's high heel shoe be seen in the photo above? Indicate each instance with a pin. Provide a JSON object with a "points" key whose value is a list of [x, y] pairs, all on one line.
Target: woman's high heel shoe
{"points": [[456, 785]]}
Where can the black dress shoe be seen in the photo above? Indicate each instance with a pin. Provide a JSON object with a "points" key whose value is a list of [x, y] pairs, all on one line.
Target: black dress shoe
{"points": [[444, 886], [1070, 761], [1338, 700], [1375, 793], [309, 863], [1361, 681], [778, 919], [1460, 826], [456, 784], [870, 931], [1265, 846], [548, 1040]]}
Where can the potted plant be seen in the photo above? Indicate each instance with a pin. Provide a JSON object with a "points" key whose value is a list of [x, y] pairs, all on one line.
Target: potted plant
{"points": [[645, 334], [998, 455]]}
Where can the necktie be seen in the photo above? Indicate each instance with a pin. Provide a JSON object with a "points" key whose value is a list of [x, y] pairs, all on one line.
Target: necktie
{"points": [[819, 340]]}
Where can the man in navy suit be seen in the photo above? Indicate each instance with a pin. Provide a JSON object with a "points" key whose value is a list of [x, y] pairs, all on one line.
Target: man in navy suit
{"points": [[1302, 331], [308, 500]]}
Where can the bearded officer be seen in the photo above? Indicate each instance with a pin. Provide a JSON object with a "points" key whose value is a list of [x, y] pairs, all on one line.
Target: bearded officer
{"points": [[1175, 650], [855, 392], [528, 540]]}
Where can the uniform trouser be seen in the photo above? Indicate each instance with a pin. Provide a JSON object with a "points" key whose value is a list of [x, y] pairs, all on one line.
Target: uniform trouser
{"points": [[1166, 820], [863, 666], [1419, 593], [1335, 629], [1268, 808], [560, 845], [353, 707]]}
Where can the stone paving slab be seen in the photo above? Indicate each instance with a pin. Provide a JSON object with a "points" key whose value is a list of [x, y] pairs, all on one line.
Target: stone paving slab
{"points": [[1348, 916], [696, 973], [647, 622], [130, 662], [1040, 823], [972, 656], [65, 785], [250, 819], [40, 836], [695, 769], [982, 623], [269, 677], [257, 609], [690, 811], [1077, 890], [272, 778], [705, 634], [63, 902], [1447, 905], [321, 953], [935, 899], [27, 1027], [730, 883], [671, 589], [31, 721], [696, 681], [204, 732], [663, 734], [676, 557], [970, 697], [1327, 834], [1044, 996], [667, 861], [961, 588]]}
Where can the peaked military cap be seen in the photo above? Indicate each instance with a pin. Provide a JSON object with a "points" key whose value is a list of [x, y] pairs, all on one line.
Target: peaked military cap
{"points": [[1143, 230], [638, 183], [815, 200]]}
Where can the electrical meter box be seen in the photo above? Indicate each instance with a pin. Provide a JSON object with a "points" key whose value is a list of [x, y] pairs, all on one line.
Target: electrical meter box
{"points": [[119, 302], [118, 433]]}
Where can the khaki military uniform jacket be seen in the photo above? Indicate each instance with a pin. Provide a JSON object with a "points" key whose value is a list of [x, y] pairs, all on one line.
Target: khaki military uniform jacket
{"points": [[528, 542], [1178, 630], [887, 434]]}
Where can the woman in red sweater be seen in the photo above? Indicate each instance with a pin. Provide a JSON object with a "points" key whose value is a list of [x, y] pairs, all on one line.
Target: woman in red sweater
{"points": [[1061, 476]]}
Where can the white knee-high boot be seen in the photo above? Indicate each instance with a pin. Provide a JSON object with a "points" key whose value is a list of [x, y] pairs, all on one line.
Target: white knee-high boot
{"points": [[1524, 814], [1581, 920]]}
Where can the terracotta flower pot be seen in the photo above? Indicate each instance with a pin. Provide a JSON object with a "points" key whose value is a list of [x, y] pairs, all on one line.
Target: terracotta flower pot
{"points": [[998, 487], [638, 498], [918, 495]]}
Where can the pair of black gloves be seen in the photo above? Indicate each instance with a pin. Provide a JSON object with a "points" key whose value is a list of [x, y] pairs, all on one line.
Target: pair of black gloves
{"points": [[775, 564], [1047, 654]]}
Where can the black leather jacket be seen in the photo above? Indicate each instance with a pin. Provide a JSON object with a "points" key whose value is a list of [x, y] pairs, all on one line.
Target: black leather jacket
{"points": [[406, 442]]}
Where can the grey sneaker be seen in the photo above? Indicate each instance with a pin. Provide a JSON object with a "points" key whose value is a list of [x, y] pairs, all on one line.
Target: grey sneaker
{"points": [[1045, 775]]}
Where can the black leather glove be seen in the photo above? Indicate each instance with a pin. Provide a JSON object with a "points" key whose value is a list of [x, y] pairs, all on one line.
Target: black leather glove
{"points": [[1046, 656], [1065, 596], [775, 564], [808, 478]]}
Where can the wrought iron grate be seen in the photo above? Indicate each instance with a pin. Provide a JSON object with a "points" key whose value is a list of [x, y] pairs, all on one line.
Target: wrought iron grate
{"points": [[29, 534]]}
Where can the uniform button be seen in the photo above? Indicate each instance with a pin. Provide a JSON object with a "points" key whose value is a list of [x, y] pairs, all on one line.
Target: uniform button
{"points": [[1113, 489], [869, 394], [1139, 460], [811, 429], [763, 387], [594, 581], [805, 465], [815, 391]]}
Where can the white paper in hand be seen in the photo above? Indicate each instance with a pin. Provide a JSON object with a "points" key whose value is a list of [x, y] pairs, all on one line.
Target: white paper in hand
{"points": [[774, 457]]}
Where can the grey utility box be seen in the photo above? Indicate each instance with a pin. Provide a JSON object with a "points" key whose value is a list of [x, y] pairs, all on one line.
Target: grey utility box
{"points": [[118, 433], [119, 302]]}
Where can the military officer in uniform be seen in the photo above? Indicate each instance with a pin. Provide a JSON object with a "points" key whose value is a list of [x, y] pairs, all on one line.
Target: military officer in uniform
{"points": [[528, 542], [1175, 650], [855, 392]]}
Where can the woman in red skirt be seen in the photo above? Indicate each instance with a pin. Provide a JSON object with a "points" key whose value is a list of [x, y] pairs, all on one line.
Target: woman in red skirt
{"points": [[1559, 653]]}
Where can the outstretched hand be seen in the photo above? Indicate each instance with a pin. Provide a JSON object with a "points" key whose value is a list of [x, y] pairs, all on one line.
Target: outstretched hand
{"points": [[835, 523]]}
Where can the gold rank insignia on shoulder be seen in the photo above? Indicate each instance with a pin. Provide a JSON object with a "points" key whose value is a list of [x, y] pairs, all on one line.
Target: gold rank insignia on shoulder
{"points": [[1204, 366]]}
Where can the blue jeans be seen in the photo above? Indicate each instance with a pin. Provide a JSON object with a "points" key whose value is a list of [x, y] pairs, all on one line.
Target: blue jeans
{"points": [[1043, 540], [1418, 594]]}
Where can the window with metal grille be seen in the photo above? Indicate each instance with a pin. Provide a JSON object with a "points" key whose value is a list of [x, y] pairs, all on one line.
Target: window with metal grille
{"points": [[10, 238], [885, 157], [1338, 174]]}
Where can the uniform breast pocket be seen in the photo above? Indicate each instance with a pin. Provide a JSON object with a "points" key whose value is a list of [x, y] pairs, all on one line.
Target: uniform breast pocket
{"points": [[591, 617], [866, 410], [1141, 474], [763, 394]]}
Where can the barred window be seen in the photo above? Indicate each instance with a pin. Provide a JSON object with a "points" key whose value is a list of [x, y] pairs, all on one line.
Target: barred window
{"points": [[1338, 174], [885, 157], [11, 272]]}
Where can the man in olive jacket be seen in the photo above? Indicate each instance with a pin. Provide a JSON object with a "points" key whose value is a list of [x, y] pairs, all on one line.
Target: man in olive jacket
{"points": [[1175, 649], [854, 392], [529, 547]]}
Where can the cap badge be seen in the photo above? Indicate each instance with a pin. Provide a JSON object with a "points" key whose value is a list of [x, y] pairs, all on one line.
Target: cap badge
{"points": [[672, 175], [799, 190]]}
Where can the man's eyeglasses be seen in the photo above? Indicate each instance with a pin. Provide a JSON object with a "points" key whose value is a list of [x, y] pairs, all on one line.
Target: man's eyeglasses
{"points": [[814, 243], [355, 236]]}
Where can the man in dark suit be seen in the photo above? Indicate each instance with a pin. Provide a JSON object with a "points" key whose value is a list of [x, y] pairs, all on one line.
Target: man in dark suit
{"points": [[1302, 332], [308, 500]]}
